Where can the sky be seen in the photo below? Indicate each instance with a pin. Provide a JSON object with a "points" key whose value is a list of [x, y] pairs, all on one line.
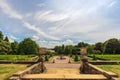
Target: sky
{"points": [[57, 22]]}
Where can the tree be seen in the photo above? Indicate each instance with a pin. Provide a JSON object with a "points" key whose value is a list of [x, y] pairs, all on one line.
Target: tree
{"points": [[82, 44], [98, 47], [1, 36], [5, 47], [6, 39], [90, 48], [28, 46], [112, 46], [14, 47]]}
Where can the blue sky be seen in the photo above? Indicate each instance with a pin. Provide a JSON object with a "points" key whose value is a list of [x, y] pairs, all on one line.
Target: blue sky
{"points": [[56, 22]]}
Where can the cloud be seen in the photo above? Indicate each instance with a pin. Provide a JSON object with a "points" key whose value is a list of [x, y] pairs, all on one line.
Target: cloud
{"points": [[12, 38], [112, 4], [40, 4], [52, 44], [49, 16], [35, 37], [14, 14], [9, 11]]}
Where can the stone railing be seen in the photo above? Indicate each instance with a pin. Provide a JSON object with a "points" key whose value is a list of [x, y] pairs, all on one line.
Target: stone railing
{"points": [[88, 68], [34, 69]]}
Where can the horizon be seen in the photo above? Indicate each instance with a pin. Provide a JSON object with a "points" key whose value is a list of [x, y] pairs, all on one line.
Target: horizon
{"points": [[57, 22]]}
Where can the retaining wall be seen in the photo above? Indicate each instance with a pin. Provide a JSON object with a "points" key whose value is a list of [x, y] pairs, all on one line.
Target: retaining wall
{"points": [[104, 62], [34, 69], [88, 68]]}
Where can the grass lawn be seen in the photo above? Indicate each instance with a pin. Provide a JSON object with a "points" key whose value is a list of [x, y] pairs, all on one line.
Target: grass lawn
{"points": [[6, 70], [107, 56], [112, 68], [16, 57]]}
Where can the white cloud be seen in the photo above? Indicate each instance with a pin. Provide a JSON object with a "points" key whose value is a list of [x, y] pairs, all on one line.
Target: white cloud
{"points": [[14, 14], [35, 37], [52, 44], [112, 3], [49, 16], [12, 38], [9, 11]]}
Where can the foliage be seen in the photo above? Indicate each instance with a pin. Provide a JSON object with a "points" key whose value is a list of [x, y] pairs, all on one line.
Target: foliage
{"points": [[46, 57], [28, 46], [98, 47], [82, 44], [1, 36], [5, 47], [69, 49], [6, 39], [90, 48], [112, 46], [14, 47], [76, 58]]}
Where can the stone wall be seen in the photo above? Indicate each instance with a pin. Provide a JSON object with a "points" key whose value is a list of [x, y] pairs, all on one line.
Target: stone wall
{"points": [[88, 68], [104, 62], [34, 69]]}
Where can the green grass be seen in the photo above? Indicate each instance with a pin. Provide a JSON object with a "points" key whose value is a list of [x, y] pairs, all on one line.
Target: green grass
{"points": [[107, 56], [6, 70], [112, 68], [16, 57]]}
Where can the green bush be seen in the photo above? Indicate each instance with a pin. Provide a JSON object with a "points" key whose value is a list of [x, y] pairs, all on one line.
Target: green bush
{"points": [[76, 58], [46, 57]]}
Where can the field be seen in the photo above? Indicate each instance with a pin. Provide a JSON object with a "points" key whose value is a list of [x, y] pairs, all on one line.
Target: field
{"points": [[6, 70], [106, 57], [16, 57], [112, 68]]}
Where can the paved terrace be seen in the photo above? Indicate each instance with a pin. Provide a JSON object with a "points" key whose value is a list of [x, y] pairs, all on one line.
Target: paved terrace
{"points": [[61, 69]]}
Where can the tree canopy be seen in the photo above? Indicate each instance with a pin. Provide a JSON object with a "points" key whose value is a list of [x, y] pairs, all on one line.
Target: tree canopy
{"points": [[28, 46]]}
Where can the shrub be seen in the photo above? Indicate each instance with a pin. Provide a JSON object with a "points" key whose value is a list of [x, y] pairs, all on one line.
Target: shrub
{"points": [[46, 58], [76, 58]]}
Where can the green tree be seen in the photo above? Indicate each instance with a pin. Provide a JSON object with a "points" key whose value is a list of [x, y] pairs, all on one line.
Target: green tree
{"points": [[1, 36], [98, 47], [14, 47], [82, 44], [6, 39], [112, 46], [28, 46], [90, 48], [5, 47]]}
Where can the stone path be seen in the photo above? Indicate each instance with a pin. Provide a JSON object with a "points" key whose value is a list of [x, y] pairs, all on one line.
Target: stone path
{"points": [[61, 69]]}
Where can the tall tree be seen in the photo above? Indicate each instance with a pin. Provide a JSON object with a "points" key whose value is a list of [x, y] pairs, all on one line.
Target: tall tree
{"points": [[28, 46], [5, 47], [1, 36], [14, 47], [98, 46], [6, 39]]}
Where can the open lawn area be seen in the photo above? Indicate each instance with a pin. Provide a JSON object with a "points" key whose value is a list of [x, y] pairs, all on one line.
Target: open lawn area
{"points": [[107, 56], [112, 68], [6, 70], [16, 57]]}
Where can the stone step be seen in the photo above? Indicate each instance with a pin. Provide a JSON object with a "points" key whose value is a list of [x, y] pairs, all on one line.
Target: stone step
{"points": [[64, 77]]}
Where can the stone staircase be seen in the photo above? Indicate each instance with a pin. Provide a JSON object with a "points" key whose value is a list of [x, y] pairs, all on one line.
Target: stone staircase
{"points": [[64, 77]]}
